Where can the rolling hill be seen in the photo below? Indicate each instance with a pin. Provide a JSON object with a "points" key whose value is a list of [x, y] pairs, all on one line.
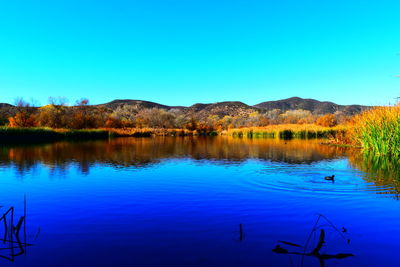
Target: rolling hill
{"points": [[232, 108], [240, 108]]}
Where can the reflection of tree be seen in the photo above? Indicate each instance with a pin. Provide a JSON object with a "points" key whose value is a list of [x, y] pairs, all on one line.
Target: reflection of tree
{"points": [[381, 170], [139, 152]]}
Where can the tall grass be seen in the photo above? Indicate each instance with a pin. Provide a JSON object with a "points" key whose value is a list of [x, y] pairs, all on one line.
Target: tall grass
{"points": [[27, 135], [287, 131], [148, 132], [378, 130], [38, 135], [85, 134], [281, 131]]}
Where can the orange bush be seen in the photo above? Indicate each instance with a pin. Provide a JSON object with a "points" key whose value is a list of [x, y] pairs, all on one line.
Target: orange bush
{"points": [[116, 123], [328, 120], [22, 119]]}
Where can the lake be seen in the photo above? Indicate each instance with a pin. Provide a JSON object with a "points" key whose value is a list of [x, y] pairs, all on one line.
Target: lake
{"points": [[168, 201]]}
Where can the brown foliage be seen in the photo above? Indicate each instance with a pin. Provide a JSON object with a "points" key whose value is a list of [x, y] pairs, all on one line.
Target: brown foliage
{"points": [[112, 122], [82, 115], [54, 116], [328, 120], [22, 119]]}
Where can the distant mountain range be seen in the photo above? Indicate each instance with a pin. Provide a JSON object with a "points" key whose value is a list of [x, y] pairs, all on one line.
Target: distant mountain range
{"points": [[232, 108], [237, 108], [5, 105], [315, 106]]}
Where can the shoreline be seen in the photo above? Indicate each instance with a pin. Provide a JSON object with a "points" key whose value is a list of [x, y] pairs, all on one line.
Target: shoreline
{"points": [[14, 135]]}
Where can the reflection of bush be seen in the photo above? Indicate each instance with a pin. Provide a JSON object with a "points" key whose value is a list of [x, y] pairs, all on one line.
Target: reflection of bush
{"points": [[382, 171], [143, 151]]}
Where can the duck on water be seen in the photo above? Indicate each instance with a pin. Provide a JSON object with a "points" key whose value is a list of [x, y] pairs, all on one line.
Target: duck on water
{"points": [[330, 178]]}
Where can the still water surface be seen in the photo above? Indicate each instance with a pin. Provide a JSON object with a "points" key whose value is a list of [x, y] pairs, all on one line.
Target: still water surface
{"points": [[179, 202]]}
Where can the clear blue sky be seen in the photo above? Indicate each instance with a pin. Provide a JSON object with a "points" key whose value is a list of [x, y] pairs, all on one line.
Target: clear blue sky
{"points": [[183, 52]]}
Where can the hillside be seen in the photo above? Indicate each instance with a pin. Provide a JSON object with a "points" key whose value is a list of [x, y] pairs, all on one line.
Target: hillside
{"points": [[139, 103], [315, 106], [231, 108], [5, 105], [6, 110], [227, 108], [240, 108]]}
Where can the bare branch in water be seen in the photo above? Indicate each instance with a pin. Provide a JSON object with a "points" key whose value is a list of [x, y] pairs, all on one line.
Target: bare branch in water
{"points": [[321, 241]]}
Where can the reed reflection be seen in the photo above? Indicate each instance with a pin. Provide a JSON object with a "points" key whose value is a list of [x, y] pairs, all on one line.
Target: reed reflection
{"points": [[382, 171]]}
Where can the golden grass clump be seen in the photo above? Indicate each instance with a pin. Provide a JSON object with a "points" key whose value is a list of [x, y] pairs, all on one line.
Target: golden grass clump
{"points": [[288, 131], [378, 130], [147, 132]]}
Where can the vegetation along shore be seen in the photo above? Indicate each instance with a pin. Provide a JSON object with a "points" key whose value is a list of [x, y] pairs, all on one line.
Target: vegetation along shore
{"points": [[376, 129]]}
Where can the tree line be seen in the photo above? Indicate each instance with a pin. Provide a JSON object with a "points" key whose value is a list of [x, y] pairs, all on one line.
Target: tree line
{"points": [[81, 115]]}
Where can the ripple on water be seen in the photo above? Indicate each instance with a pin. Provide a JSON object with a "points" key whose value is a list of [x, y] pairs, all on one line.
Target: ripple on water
{"points": [[310, 179]]}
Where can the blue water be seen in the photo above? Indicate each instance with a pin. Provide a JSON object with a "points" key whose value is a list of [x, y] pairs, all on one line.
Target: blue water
{"points": [[179, 203]]}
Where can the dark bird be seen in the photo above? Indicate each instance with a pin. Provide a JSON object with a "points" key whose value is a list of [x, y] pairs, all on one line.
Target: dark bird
{"points": [[330, 178]]}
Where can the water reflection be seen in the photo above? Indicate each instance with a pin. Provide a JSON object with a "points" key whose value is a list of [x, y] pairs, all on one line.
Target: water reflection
{"points": [[188, 208], [140, 152], [383, 172]]}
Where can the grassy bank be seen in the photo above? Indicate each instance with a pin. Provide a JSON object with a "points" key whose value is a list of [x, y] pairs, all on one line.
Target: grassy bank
{"points": [[289, 131], [38, 135], [147, 132], [378, 130], [285, 131]]}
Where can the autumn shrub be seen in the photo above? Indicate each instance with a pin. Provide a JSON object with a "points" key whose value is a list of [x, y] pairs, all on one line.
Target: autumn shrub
{"points": [[328, 120], [112, 122], [22, 119], [54, 116], [294, 116]]}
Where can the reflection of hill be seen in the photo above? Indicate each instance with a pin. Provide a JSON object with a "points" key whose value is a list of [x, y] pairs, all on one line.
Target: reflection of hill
{"points": [[143, 151], [382, 171]]}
